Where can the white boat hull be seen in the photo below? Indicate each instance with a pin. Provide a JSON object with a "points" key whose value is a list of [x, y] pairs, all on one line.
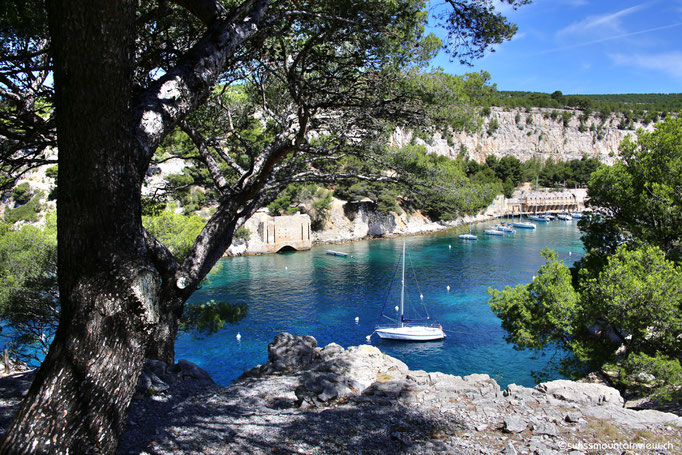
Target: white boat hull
{"points": [[493, 232], [411, 333], [468, 237], [523, 225]]}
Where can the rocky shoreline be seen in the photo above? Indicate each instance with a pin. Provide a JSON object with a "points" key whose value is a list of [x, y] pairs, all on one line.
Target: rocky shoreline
{"points": [[361, 222], [330, 400]]}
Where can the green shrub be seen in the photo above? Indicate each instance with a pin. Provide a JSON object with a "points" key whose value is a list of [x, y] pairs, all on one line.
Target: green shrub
{"points": [[242, 234], [22, 193], [282, 206], [387, 202], [566, 118], [28, 212], [493, 126], [320, 211], [52, 172], [177, 232]]}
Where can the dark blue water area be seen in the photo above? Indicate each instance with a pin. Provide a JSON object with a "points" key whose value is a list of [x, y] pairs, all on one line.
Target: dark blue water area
{"points": [[312, 293]]}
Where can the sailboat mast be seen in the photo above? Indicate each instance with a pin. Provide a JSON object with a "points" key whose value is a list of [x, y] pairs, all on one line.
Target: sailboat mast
{"points": [[402, 289]]}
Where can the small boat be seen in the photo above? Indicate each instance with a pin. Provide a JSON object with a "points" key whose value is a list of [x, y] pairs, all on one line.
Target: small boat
{"points": [[336, 253], [576, 215], [468, 236], [564, 217], [540, 218], [523, 225], [418, 329], [493, 232], [505, 227]]}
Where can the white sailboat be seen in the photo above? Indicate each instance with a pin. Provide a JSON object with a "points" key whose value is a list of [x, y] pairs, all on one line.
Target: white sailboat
{"points": [[409, 329], [522, 224], [505, 227], [468, 236]]}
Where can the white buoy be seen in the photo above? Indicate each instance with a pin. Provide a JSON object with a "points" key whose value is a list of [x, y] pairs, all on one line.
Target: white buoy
{"points": [[533, 276], [239, 336], [448, 287], [397, 308], [421, 296], [286, 268], [449, 247], [570, 253], [357, 319]]}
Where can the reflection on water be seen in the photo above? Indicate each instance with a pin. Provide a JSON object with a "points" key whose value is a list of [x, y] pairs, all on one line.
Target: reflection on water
{"points": [[312, 293]]}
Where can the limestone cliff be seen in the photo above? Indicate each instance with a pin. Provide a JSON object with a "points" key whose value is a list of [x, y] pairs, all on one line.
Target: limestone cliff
{"points": [[533, 134]]}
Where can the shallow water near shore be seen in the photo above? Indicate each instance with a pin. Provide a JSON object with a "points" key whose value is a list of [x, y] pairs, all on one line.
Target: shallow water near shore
{"points": [[312, 293]]}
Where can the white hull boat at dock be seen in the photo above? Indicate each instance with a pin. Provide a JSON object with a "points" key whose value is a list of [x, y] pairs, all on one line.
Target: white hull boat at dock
{"points": [[524, 225], [540, 218]]}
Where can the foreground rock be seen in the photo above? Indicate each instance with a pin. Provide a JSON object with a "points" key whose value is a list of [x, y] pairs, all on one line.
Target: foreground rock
{"points": [[307, 399]]}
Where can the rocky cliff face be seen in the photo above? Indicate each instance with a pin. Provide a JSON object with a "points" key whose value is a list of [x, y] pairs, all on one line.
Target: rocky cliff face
{"points": [[355, 221], [534, 135]]}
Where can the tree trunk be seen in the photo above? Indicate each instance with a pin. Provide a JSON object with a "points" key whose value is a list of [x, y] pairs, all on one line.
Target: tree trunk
{"points": [[207, 250], [162, 344], [108, 286]]}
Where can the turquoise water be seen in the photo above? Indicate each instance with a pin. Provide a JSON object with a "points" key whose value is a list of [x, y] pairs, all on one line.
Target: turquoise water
{"points": [[312, 293]]}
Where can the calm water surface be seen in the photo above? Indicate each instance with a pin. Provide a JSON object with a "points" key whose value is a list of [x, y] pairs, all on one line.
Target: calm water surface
{"points": [[312, 293]]}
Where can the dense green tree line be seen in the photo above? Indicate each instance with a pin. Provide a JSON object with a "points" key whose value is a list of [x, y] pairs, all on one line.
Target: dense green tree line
{"points": [[644, 108], [509, 172], [619, 309]]}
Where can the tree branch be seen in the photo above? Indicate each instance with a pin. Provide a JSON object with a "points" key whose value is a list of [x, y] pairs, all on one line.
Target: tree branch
{"points": [[207, 11], [168, 100], [206, 157]]}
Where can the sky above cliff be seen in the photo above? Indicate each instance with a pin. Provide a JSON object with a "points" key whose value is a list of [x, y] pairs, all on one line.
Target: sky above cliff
{"points": [[586, 47]]}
